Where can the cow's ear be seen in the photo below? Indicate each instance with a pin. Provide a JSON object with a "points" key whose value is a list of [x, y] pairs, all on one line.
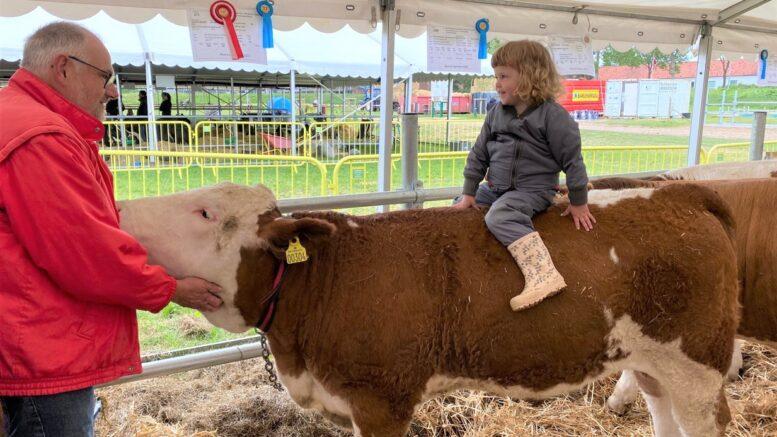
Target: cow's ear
{"points": [[280, 231]]}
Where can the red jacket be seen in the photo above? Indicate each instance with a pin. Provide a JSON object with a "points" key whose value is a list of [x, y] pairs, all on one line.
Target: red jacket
{"points": [[70, 279]]}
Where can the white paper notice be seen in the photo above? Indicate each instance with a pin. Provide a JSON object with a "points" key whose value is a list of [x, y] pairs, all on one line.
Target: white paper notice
{"points": [[771, 71], [452, 49], [211, 43], [572, 55]]}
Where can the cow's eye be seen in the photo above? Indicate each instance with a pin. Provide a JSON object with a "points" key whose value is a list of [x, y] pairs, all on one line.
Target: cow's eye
{"points": [[205, 214]]}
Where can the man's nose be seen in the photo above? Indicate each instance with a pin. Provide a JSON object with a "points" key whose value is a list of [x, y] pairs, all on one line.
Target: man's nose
{"points": [[112, 91]]}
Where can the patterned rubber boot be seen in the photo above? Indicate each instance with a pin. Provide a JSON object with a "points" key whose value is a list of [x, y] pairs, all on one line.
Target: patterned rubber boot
{"points": [[542, 278]]}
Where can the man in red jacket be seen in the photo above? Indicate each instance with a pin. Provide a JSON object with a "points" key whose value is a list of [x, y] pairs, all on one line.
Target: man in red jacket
{"points": [[70, 279]]}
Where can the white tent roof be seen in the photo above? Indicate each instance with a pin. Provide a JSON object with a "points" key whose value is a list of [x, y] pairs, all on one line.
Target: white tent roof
{"points": [[342, 53], [645, 23]]}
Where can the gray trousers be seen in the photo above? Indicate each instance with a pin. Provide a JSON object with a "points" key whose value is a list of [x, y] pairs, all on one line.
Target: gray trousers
{"points": [[509, 217]]}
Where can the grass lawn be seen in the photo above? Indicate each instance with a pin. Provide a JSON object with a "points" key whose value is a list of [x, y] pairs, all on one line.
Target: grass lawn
{"points": [[176, 327]]}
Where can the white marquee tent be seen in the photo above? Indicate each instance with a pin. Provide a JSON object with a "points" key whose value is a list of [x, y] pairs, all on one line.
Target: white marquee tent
{"points": [[734, 26]]}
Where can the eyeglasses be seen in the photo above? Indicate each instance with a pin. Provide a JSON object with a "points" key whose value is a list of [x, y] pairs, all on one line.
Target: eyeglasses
{"points": [[109, 76]]}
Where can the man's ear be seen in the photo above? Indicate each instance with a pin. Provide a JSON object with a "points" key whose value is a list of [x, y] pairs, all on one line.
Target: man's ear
{"points": [[280, 231]]}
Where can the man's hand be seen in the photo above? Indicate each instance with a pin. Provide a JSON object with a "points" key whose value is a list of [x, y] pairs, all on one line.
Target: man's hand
{"points": [[198, 294], [581, 215], [466, 201]]}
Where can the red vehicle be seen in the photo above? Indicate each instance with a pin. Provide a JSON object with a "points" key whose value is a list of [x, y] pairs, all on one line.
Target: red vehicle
{"points": [[583, 95]]}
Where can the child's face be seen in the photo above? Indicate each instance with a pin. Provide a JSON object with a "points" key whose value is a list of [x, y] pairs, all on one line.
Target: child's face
{"points": [[506, 84]]}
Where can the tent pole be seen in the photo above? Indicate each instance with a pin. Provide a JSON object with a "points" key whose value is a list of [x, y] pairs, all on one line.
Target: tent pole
{"points": [[293, 87], [449, 112], [409, 94], [386, 142], [121, 113], [700, 94], [151, 132]]}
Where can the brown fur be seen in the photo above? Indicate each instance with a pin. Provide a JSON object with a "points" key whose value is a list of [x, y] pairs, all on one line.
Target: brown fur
{"points": [[754, 207], [382, 307]]}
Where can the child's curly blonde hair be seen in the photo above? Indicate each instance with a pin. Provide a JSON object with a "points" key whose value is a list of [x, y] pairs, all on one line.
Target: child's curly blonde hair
{"points": [[538, 79]]}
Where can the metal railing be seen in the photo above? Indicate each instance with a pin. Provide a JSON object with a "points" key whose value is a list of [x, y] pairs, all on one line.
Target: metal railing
{"points": [[250, 137], [167, 136], [144, 173], [730, 152]]}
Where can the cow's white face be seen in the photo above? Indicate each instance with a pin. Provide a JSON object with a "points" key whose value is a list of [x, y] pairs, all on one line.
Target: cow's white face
{"points": [[200, 233]]}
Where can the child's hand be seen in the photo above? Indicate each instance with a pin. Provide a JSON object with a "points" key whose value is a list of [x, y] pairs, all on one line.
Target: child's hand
{"points": [[581, 215], [466, 201]]}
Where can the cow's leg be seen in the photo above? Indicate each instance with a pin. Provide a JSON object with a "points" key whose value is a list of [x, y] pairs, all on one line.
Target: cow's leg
{"points": [[658, 402], [736, 361], [698, 403], [626, 390], [624, 394], [377, 417]]}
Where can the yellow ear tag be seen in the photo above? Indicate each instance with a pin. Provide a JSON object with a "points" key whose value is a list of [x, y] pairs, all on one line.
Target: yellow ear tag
{"points": [[296, 253]]}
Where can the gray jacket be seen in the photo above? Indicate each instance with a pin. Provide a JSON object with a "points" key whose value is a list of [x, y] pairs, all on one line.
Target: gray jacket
{"points": [[527, 152]]}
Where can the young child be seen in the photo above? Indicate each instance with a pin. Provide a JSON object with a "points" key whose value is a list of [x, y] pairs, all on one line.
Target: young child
{"points": [[526, 140]]}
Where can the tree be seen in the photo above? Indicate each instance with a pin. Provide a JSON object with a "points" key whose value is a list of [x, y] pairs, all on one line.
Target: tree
{"points": [[725, 63], [635, 58], [493, 45]]}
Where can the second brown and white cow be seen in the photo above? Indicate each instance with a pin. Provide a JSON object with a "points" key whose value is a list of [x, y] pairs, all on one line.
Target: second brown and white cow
{"points": [[753, 203], [723, 170], [396, 308]]}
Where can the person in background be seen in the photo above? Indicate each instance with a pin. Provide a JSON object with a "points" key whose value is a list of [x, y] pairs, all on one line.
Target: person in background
{"points": [[166, 107], [70, 279]]}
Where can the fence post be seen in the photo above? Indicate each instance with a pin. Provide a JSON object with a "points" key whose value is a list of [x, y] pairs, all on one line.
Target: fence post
{"points": [[757, 136], [410, 155]]}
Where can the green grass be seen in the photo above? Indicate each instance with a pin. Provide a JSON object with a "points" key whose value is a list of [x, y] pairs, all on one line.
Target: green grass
{"points": [[167, 330]]}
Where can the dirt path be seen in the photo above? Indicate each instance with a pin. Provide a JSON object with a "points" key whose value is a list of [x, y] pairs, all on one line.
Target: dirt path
{"points": [[734, 133]]}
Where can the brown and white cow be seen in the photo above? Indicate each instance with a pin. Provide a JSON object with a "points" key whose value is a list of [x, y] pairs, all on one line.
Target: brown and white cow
{"points": [[753, 203], [724, 170], [396, 308]]}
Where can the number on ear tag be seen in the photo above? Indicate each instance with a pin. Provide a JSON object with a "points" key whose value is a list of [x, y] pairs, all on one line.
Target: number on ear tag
{"points": [[296, 253]]}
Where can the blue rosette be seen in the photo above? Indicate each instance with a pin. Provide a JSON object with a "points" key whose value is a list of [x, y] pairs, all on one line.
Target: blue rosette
{"points": [[265, 9], [482, 26]]}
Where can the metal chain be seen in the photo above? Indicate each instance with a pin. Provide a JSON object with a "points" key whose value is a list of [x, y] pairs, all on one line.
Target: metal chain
{"points": [[268, 365]]}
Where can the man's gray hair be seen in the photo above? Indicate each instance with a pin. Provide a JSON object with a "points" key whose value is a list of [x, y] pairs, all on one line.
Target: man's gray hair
{"points": [[50, 40]]}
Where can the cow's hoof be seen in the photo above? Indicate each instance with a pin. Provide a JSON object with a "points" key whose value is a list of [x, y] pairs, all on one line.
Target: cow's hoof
{"points": [[619, 408]]}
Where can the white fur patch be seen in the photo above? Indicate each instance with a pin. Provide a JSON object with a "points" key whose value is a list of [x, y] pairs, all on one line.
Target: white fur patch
{"points": [[307, 392], [614, 256], [352, 223], [201, 235], [611, 197], [725, 170]]}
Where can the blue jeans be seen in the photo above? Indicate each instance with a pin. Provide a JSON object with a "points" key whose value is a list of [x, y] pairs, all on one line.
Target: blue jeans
{"points": [[64, 414]]}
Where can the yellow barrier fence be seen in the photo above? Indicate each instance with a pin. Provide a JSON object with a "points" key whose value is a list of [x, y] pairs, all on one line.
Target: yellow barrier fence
{"points": [[331, 141], [171, 136], [609, 160], [447, 135], [358, 174], [150, 173], [259, 152], [738, 152], [250, 137]]}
